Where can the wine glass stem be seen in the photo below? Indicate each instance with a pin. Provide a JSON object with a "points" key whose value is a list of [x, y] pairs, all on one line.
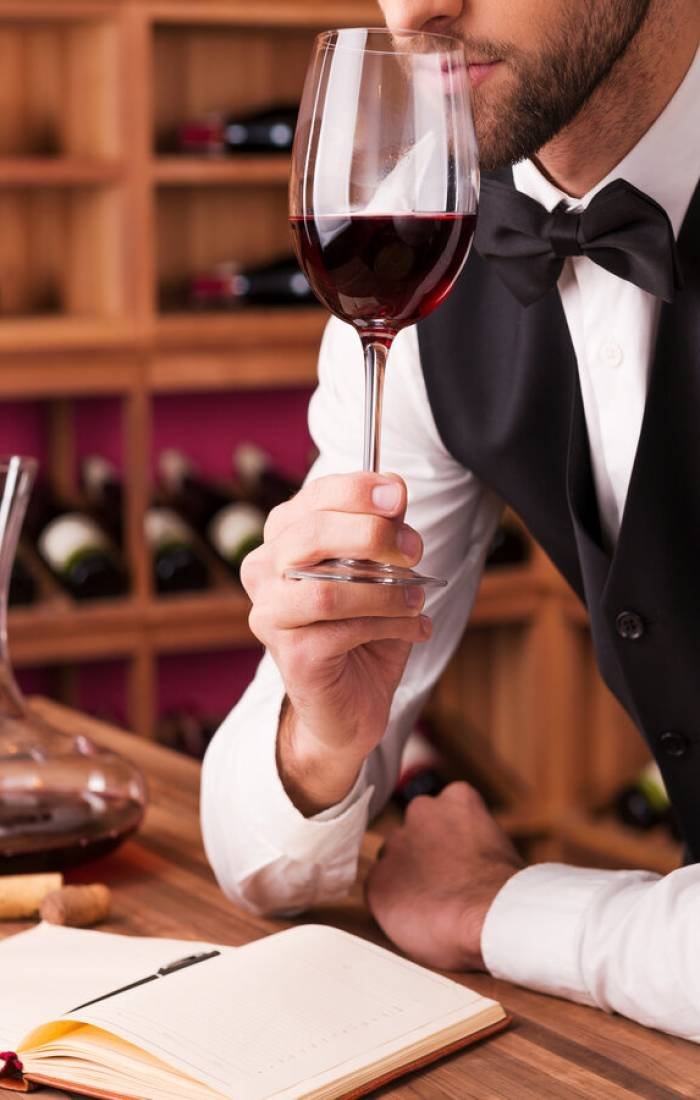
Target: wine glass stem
{"points": [[376, 354]]}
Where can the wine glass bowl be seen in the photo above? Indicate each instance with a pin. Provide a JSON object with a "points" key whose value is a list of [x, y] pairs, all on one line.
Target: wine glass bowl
{"points": [[383, 202]]}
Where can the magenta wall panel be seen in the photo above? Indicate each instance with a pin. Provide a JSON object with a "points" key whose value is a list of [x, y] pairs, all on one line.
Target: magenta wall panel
{"points": [[208, 427], [23, 429], [206, 683]]}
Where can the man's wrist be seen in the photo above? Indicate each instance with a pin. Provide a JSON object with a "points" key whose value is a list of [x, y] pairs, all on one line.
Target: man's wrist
{"points": [[481, 897], [314, 775]]}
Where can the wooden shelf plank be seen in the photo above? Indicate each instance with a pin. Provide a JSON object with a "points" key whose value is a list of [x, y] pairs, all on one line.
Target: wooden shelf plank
{"points": [[276, 14], [250, 327], [243, 170], [242, 368], [58, 172], [512, 594], [186, 623], [604, 839], [59, 631], [54, 332]]}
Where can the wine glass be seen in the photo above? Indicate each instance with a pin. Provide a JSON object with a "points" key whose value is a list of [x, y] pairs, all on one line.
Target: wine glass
{"points": [[383, 201]]}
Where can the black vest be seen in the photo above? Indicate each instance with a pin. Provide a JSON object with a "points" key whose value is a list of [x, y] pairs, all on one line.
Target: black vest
{"points": [[503, 386]]}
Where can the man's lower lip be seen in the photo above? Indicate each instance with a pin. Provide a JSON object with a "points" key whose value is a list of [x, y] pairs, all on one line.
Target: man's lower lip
{"points": [[479, 73]]}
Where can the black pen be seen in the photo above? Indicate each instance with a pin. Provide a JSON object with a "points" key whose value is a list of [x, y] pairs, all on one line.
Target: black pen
{"points": [[179, 964]]}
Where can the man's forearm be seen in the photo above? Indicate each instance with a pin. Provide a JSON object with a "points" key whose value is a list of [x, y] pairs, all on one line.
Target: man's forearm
{"points": [[314, 776]]}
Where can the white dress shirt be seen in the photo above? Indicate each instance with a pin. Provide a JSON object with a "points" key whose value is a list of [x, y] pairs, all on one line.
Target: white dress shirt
{"points": [[624, 941]]}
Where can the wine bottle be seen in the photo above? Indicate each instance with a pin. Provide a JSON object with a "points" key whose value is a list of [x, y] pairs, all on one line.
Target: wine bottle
{"points": [[219, 133], [187, 731], [231, 285], [76, 549], [644, 803], [232, 527], [104, 493], [259, 481], [23, 588], [421, 771], [509, 546], [178, 566]]}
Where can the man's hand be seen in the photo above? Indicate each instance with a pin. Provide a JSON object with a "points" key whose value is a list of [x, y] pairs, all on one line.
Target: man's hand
{"points": [[437, 876], [341, 648]]}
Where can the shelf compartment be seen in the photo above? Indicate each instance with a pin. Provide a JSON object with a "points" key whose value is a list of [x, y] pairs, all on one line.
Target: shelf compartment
{"points": [[241, 170], [200, 68], [61, 249], [200, 227], [58, 79], [58, 171]]}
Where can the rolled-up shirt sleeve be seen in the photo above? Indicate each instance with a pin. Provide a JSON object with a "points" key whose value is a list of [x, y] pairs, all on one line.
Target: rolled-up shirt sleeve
{"points": [[265, 853]]}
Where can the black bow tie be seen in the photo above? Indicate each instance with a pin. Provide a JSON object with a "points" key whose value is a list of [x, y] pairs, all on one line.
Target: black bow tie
{"points": [[621, 229]]}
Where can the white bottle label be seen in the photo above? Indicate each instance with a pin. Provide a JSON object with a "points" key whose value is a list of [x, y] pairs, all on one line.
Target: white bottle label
{"points": [[233, 526], [164, 527], [67, 535]]}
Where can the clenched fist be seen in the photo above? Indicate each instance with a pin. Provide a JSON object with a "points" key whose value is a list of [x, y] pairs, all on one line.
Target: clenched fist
{"points": [[437, 876]]}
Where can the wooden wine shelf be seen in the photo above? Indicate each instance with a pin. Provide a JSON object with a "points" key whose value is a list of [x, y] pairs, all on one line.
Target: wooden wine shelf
{"points": [[235, 170], [58, 172]]}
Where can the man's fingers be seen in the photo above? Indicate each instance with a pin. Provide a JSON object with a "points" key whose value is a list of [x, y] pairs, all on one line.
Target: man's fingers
{"points": [[323, 641], [288, 604], [339, 637], [375, 494], [321, 535]]}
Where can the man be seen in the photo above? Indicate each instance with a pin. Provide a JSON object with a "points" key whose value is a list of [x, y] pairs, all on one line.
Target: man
{"points": [[580, 403]]}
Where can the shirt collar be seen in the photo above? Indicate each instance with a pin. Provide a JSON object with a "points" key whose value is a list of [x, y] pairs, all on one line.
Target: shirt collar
{"points": [[664, 164]]}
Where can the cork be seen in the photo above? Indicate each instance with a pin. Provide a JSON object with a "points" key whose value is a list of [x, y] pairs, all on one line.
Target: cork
{"points": [[21, 896], [76, 906]]}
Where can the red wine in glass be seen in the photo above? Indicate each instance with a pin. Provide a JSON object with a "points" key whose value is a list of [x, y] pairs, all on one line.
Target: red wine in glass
{"points": [[381, 272], [383, 198]]}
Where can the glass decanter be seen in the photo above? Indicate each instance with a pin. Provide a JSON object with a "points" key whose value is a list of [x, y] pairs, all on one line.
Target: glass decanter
{"points": [[62, 799]]}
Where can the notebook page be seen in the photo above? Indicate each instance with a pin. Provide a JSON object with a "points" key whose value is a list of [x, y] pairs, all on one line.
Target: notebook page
{"points": [[50, 969], [311, 1003]]}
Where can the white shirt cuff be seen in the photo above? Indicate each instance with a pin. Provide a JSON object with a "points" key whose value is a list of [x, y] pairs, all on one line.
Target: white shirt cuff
{"points": [[533, 932], [332, 836]]}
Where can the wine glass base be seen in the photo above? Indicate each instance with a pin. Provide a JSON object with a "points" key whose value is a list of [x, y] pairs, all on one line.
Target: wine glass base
{"points": [[361, 571]]}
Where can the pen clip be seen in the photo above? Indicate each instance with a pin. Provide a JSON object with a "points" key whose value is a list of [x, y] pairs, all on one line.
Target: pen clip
{"points": [[189, 960]]}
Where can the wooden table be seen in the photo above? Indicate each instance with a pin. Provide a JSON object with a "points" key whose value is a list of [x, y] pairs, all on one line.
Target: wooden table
{"points": [[163, 886]]}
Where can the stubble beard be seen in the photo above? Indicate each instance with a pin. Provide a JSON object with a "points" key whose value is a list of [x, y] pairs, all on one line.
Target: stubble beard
{"points": [[536, 97]]}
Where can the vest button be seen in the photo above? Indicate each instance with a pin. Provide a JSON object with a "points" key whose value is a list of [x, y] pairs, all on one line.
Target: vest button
{"points": [[673, 744], [629, 625]]}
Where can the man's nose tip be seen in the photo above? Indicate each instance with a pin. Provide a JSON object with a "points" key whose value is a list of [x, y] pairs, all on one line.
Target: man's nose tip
{"points": [[438, 16]]}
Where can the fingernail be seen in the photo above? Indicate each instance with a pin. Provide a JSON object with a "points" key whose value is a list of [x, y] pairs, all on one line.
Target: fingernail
{"points": [[415, 597], [386, 496], [408, 541]]}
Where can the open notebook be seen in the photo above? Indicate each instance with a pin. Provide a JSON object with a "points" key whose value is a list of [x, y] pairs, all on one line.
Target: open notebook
{"points": [[311, 1012]]}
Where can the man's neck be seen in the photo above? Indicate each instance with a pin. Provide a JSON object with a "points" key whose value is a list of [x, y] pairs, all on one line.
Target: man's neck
{"points": [[627, 103]]}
